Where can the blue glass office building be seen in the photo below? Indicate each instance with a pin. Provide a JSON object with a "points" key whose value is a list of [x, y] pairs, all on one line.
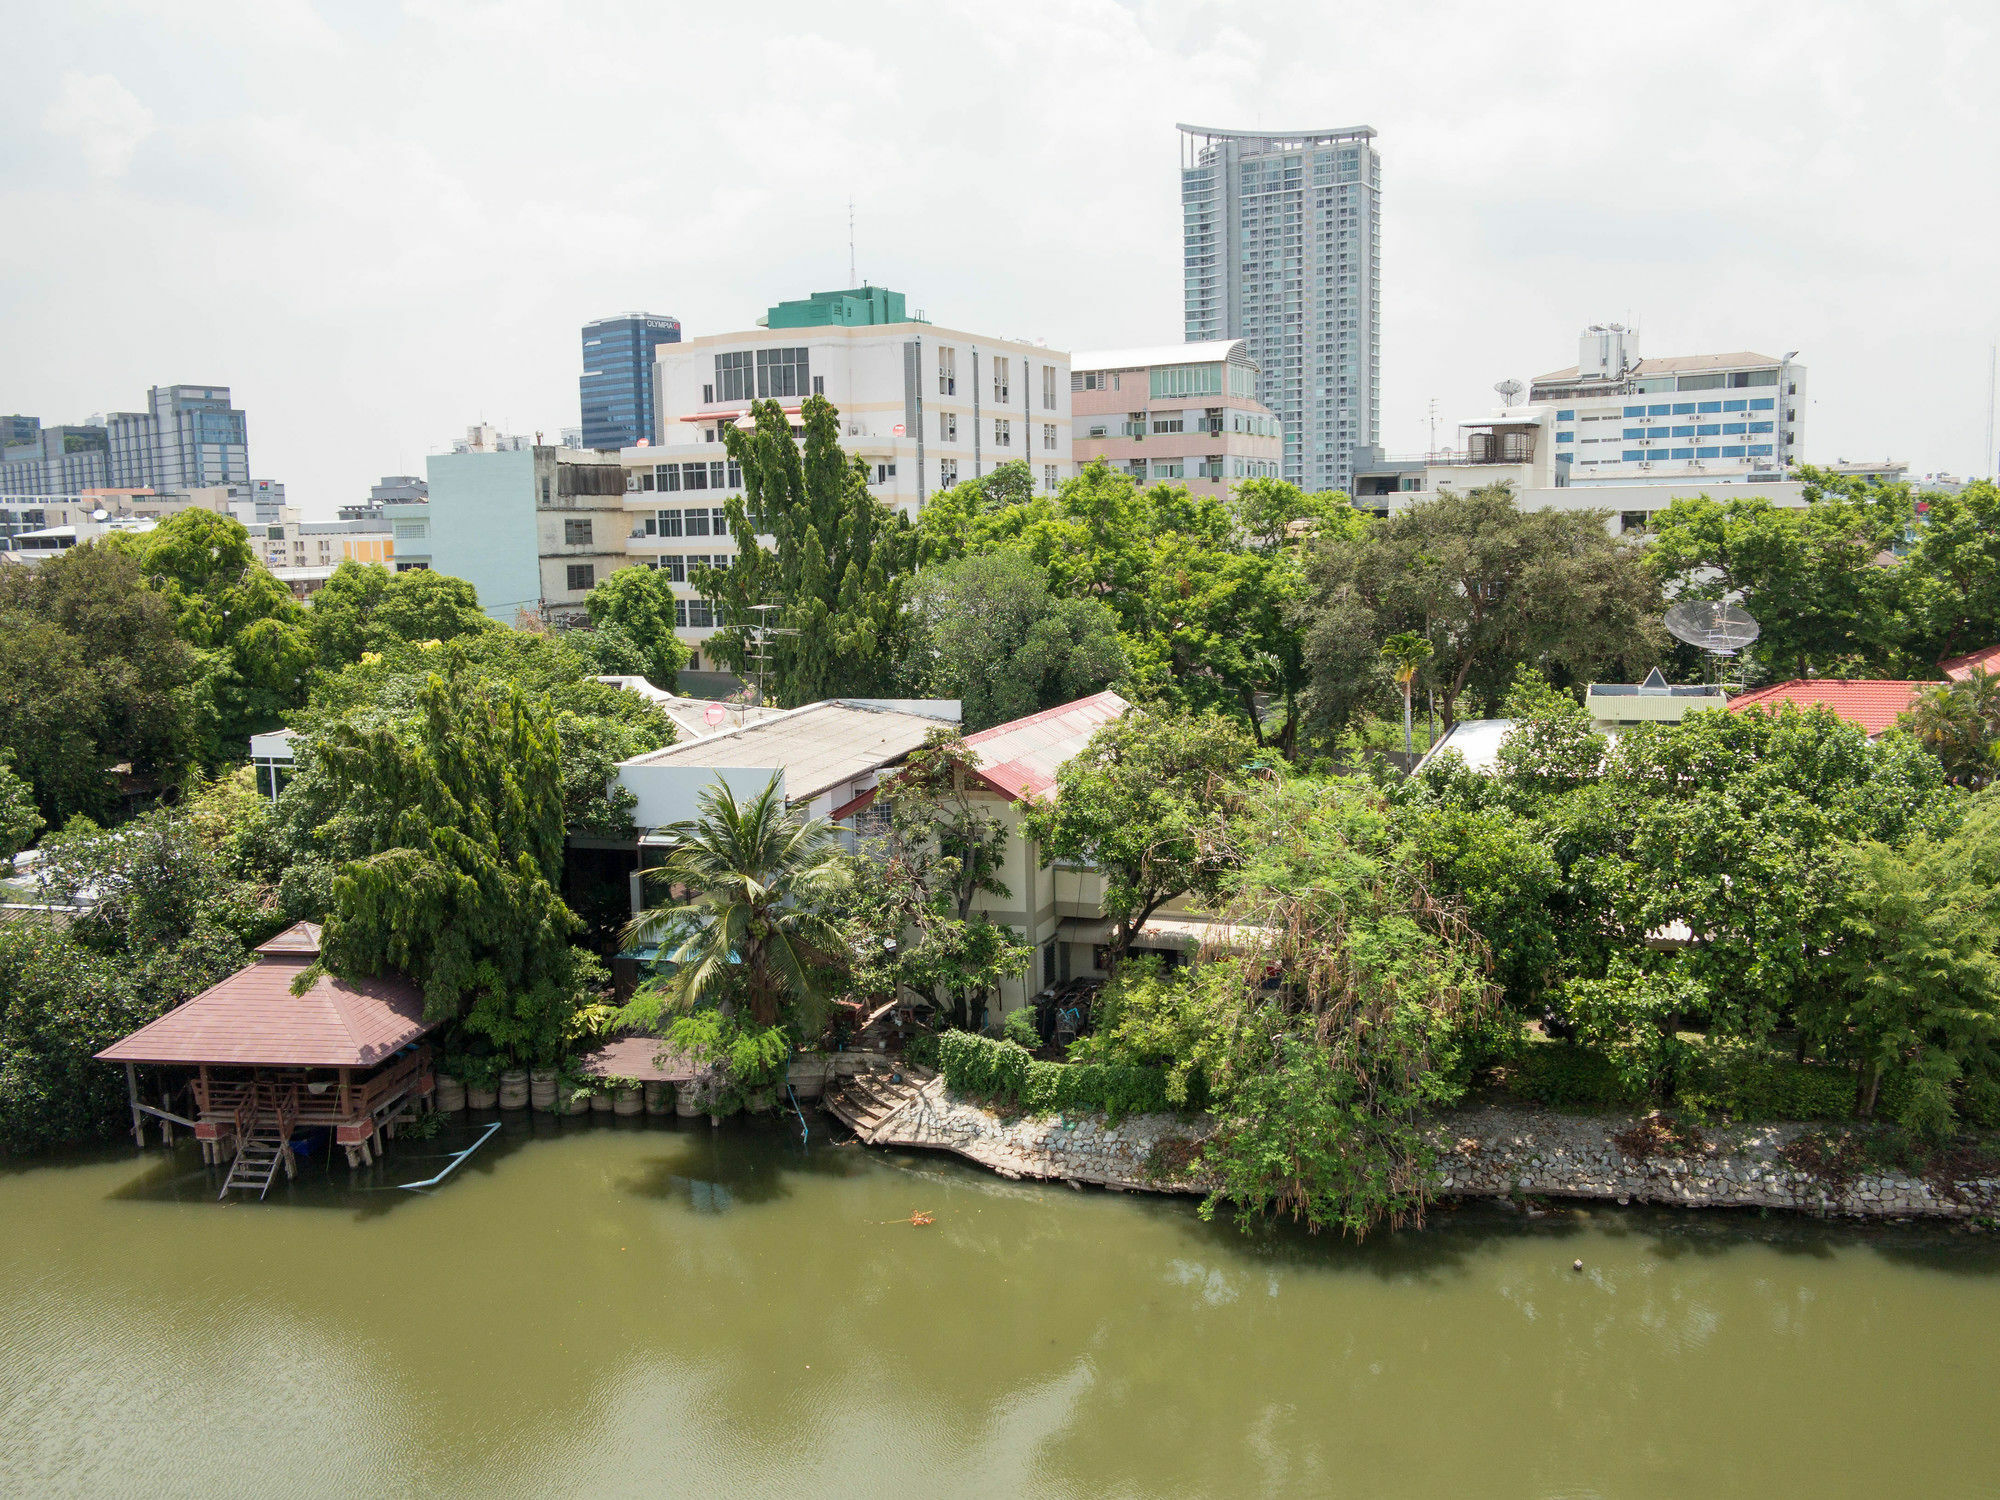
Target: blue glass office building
{"points": [[617, 384]]}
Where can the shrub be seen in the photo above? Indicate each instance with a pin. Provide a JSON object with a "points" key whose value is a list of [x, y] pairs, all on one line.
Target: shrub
{"points": [[1563, 1076], [1005, 1072], [1020, 1029]]}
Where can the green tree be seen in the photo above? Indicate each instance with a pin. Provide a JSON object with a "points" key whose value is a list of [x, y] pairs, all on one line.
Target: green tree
{"points": [[639, 602], [249, 631], [911, 897], [1491, 586], [91, 674], [990, 633], [1407, 652], [1951, 577], [1811, 576], [835, 572], [1959, 723], [364, 607], [1146, 802], [457, 825], [19, 821], [751, 935]]}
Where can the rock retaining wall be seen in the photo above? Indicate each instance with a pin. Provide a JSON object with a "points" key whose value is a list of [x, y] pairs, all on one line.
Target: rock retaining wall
{"points": [[1484, 1153]]}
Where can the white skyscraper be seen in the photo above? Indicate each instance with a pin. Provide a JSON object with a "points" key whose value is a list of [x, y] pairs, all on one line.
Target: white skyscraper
{"points": [[1284, 249]]}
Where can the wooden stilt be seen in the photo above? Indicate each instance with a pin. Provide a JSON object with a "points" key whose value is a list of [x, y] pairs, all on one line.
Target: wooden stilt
{"points": [[166, 1125], [132, 1095]]}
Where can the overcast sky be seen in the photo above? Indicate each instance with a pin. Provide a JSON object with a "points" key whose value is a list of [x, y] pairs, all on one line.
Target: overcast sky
{"points": [[378, 223]]}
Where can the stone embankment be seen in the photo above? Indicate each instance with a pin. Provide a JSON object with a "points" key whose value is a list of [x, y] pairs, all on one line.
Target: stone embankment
{"points": [[1493, 1152]]}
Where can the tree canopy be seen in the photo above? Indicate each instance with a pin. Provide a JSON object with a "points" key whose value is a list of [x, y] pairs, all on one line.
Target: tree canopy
{"points": [[638, 603]]}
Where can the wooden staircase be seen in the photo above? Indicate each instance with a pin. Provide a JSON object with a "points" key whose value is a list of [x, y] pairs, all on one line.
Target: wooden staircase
{"points": [[865, 1102], [265, 1120]]}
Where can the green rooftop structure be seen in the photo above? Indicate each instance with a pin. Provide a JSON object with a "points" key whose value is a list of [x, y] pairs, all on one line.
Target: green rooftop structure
{"points": [[857, 307]]}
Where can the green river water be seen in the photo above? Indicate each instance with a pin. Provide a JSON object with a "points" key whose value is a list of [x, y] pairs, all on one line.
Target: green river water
{"points": [[600, 1307]]}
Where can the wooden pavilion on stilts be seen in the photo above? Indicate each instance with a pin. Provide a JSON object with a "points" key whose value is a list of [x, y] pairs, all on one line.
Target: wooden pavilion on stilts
{"points": [[262, 1063]]}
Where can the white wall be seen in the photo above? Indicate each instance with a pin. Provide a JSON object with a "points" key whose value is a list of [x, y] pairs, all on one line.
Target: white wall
{"points": [[669, 793]]}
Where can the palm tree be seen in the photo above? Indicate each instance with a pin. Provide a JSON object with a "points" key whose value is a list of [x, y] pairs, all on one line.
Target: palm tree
{"points": [[750, 930], [1407, 650], [1958, 722]]}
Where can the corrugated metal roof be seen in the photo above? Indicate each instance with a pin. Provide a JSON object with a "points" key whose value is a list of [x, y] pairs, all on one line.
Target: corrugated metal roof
{"points": [[818, 746], [1021, 759], [691, 715], [1961, 667], [1871, 703], [252, 1019]]}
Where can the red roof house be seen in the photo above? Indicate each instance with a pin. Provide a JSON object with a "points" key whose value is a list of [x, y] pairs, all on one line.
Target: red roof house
{"points": [[1961, 667], [1872, 704], [1020, 760]]}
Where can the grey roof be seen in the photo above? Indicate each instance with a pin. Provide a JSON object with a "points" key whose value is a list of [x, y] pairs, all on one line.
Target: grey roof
{"points": [[690, 715], [1675, 364], [1202, 352], [819, 746]]}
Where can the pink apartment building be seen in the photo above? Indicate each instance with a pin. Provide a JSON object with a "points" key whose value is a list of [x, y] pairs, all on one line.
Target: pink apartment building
{"points": [[1183, 413]]}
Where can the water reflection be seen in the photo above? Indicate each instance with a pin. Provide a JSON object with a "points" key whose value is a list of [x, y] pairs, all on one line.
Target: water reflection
{"points": [[595, 1306]]}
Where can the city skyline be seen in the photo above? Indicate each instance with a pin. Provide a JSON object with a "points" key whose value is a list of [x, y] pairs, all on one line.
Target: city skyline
{"points": [[332, 195]]}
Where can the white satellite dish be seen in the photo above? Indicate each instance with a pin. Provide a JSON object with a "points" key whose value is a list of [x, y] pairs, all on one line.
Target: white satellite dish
{"points": [[1717, 628], [100, 515], [1510, 391]]}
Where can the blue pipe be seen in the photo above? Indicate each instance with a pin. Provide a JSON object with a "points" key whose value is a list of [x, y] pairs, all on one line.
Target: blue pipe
{"points": [[461, 1156]]}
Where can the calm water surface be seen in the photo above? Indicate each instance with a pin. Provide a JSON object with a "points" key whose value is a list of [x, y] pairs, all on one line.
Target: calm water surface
{"points": [[599, 1308]]}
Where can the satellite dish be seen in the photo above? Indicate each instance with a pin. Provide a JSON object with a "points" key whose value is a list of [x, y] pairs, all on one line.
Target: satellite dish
{"points": [[1510, 391], [1718, 628], [100, 514]]}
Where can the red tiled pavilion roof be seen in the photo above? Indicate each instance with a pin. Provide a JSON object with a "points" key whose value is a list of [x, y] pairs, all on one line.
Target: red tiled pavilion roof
{"points": [[1958, 668], [252, 1018], [1020, 760], [1871, 703], [637, 1057]]}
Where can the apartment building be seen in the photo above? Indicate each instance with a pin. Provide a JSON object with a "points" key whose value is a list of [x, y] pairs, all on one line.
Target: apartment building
{"points": [[923, 407], [1180, 413], [1282, 244]]}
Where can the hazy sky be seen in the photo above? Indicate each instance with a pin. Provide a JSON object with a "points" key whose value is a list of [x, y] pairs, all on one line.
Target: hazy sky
{"points": [[378, 222]]}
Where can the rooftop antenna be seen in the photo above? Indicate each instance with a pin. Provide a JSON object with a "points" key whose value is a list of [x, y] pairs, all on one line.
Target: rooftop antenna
{"points": [[1434, 427], [1510, 391], [760, 651], [1715, 627], [852, 278]]}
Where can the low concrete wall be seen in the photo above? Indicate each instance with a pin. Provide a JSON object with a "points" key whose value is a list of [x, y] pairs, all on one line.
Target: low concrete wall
{"points": [[1484, 1153]]}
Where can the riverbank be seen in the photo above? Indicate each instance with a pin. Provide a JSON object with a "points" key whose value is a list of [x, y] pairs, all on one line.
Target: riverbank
{"points": [[1484, 1153]]}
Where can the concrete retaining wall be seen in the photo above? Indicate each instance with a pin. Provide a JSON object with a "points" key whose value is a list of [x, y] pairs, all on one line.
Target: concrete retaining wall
{"points": [[1484, 1153]]}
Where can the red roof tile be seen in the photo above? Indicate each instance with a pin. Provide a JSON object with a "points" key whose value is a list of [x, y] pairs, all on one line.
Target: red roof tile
{"points": [[1020, 760], [1961, 667], [1873, 704], [637, 1057], [252, 1019]]}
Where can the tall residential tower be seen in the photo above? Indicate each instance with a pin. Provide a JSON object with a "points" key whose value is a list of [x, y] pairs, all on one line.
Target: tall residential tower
{"points": [[1284, 250], [617, 383]]}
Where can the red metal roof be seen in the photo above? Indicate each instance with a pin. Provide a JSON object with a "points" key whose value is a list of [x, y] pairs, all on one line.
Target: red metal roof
{"points": [[252, 1019], [1961, 667], [1871, 703], [1020, 760]]}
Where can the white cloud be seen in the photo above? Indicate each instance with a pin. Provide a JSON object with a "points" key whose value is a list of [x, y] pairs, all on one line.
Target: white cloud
{"points": [[384, 220], [104, 119]]}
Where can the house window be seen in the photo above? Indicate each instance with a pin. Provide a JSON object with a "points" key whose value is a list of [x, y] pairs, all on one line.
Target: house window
{"points": [[708, 395], [701, 614], [1003, 433], [947, 471], [681, 614], [733, 377], [716, 469], [947, 426], [782, 374], [1167, 424], [1049, 478], [576, 532], [675, 568], [819, 385], [884, 473], [1048, 387], [947, 372], [582, 576], [697, 522], [1001, 367], [694, 476], [670, 523], [735, 475], [667, 476], [545, 489], [1049, 436], [718, 516]]}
